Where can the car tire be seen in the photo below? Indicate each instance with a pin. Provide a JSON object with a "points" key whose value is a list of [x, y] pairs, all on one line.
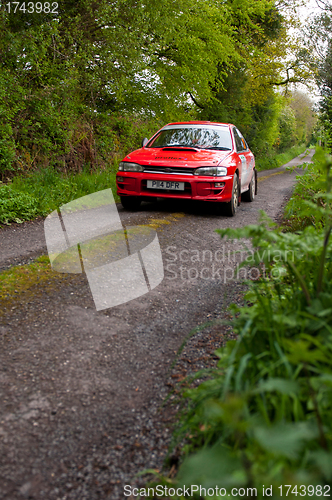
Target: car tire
{"points": [[250, 194], [130, 202], [231, 206]]}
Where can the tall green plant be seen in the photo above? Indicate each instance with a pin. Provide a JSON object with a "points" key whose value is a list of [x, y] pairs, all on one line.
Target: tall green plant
{"points": [[265, 417]]}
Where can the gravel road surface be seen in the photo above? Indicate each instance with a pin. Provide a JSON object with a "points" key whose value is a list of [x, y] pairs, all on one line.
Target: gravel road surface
{"points": [[82, 390]]}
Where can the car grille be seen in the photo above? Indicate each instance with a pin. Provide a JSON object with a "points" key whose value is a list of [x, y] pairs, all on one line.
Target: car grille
{"points": [[153, 169]]}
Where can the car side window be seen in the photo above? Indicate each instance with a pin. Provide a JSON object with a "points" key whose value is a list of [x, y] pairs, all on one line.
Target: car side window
{"points": [[244, 142], [238, 141]]}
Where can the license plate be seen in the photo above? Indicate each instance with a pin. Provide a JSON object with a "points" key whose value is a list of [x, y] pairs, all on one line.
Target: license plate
{"points": [[175, 186]]}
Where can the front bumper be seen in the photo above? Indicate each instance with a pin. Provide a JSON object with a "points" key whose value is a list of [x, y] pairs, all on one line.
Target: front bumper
{"points": [[195, 187]]}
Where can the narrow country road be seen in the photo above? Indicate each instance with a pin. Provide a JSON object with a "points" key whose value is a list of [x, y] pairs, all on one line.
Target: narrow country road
{"points": [[81, 390]]}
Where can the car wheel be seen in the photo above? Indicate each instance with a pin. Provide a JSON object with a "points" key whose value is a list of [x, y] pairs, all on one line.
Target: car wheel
{"points": [[130, 202], [231, 206], [250, 194]]}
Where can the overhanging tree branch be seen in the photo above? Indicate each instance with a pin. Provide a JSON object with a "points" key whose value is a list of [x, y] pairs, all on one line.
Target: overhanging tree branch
{"points": [[195, 102]]}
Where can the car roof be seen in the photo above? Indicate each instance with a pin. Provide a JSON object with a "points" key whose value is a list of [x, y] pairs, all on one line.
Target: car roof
{"points": [[200, 123]]}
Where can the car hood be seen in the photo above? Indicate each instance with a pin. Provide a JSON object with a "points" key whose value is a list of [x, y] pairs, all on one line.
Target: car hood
{"points": [[182, 157]]}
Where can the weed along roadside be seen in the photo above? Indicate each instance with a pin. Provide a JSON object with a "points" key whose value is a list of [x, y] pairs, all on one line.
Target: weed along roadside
{"points": [[258, 421]]}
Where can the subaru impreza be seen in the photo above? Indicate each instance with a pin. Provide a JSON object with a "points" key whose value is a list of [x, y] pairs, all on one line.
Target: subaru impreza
{"points": [[194, 160]]}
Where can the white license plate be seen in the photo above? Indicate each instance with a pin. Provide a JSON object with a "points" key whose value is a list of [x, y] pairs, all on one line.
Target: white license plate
{"points": [[175, 186]]}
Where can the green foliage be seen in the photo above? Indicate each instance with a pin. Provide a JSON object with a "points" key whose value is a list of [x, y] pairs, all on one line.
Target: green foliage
{"points": [[287, 126], [305, 117], [245, 93], [69, 81], [268, 123], [326, 120], [320, 35], [15, 206], [310, 186], [274, 160], [265, 417], [61, 84], [264, 131], [42, 192]]}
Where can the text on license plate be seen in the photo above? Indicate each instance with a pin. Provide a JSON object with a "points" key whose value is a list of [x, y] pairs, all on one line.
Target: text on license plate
{"points": [[176, 186]]}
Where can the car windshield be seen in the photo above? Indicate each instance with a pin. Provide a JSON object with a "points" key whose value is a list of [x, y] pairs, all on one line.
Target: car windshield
{"points": [[208, 137]]}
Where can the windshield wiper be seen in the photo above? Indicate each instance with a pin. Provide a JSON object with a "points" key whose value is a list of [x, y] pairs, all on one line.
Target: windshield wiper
{"points": [[218, 148], [181, 146], [195, 148]]}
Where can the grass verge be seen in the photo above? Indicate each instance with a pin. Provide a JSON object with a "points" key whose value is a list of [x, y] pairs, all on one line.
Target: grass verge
{"points": [[39, 193]]}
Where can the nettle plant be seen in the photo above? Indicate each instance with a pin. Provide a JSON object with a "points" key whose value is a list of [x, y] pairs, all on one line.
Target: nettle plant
{"points": [[265, 417]]}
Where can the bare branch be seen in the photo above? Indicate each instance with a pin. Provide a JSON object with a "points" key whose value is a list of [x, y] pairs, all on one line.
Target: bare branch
{"points": [[322, 2], [195, 102]]}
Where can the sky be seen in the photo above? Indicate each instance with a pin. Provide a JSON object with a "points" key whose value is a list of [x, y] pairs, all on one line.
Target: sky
{"points": [[311, 7]]}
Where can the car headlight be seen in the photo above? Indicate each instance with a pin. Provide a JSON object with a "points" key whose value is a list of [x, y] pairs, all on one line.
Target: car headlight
{"points": [[126, 166], [215, 171]]}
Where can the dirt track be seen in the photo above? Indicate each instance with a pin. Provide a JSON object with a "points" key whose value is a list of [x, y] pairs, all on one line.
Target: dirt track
{"points": [[81, 390]]}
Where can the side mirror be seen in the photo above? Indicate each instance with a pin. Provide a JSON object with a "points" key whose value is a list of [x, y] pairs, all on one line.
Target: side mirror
{"points": [[144, 142]]}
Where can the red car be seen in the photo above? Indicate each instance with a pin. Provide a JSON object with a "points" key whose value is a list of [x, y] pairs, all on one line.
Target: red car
{"points": [[190, 160]]}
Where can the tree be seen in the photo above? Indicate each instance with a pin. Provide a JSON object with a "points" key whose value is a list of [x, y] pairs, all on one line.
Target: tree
{"points": [[287, 128], [71, 73], [305, 116], [248, 92], [320, 34]]}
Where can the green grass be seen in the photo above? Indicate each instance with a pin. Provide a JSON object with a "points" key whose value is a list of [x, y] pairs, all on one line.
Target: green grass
{"points": [[20, 284], [41, 192], [275, 161], [18, 279]]}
